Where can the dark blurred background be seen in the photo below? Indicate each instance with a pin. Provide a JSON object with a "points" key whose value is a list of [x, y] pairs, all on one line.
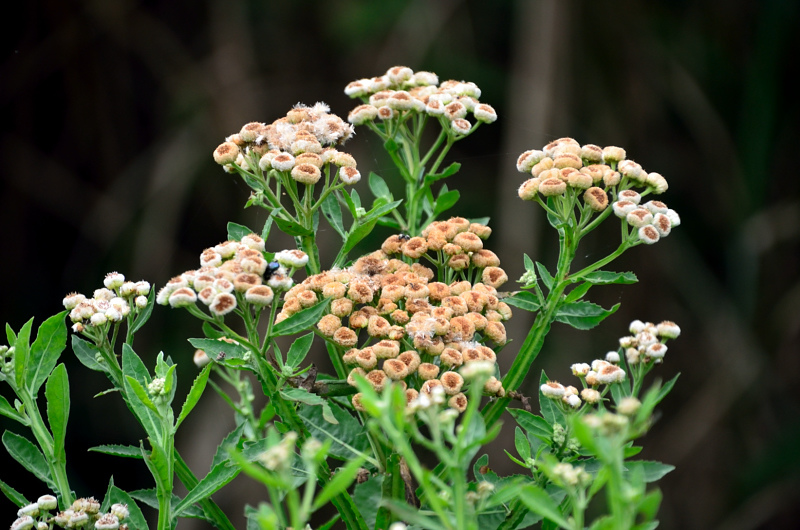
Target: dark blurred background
{"points": [[110, 112]]}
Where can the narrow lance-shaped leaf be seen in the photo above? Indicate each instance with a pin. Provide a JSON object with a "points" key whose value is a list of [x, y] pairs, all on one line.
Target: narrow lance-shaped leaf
{"points": [[56, 392], [333, 213], [13, 495], [583, 315], [124, 451], [9, 412], [378, 187], [299, 349], [194, 395], [144, 314], [300, 321], [339, 483], [86, 353], [524, 300], [538, 501], [22, 346], [217, 478], [29, 456], [304, 396], [51, 339]]}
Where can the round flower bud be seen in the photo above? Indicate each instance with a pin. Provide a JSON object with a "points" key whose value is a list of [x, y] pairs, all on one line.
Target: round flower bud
{"points": [[378, 380], [226, 153], [452, 383], [485, 113], [494, 276], [283, 162], [552, 390], [306, 173], [609, 374], [468, 241], [596, 198], [639, 217], [362, 114], [612, 357], [349, 175], [629, 406], [200, 358], [415, 247], [345, 337], [528, 159], [591, 153], [328, 325], [657, 182], [460, 125], [649, 235], [612, 154], [552, 186], [395, 369], [527, 190], [590, 395], [668, 330], [572, 400]]}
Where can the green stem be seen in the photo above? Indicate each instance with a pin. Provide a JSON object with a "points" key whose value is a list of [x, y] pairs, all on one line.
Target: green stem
{"points": [[210, 508]]}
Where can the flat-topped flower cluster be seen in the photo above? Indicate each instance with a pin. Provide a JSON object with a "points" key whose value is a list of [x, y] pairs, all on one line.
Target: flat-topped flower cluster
{"points": [[301, 144], [564, 169], [395, 320], [111, 303], [231, 274], [402, 92]]}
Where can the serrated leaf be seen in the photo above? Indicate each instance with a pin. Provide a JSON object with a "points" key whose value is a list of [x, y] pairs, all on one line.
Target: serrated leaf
{"points": [[144, 314], [348, 437], [291, 228], [525, 300], [10, 412], [299, 349], [28, 456], [300, 321], [233, 439], [133, 369], [86, 353], [51, 339], [124, 451], [529, 266], [609, 277], [445, 201], [194, 395], [583, 315], [578, 292], [304, 396], [236, 231], [56, 392], [13, 495], [333, 213], [547, 278], [378, 186], [538, 501], [534, 425], [219, 476]]}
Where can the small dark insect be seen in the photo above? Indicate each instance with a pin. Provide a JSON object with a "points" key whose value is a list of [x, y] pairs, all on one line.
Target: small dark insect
{"points": [[220, 356], [404, 237], [272, 268]]}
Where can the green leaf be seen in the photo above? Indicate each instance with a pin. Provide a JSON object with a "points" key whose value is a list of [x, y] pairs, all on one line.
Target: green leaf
{"points": [[299, 349], [652, 470], [217, 478], [583, 315], [29, 456], [333, 213], [449, 171], [222, 352], [522, 444], [51, 339], [124, 451], [538, 501], [445, 201], [578, 292], [342, 480], [534, 425], [86, 353], [193, 397], [8, 411], [301, 321], [22, 346], [547, 278], [232, 440], [413, 516], [525, 300], [56, 392], [160, 468], [236, 231], [291, 228], [391, 145], [348, 437], [353, 202], [609, 277], [304, 396], [650, 504], [378, 187], [140, 393], [367, 498], [662, 393], [528, 262], [13, 495], [136, 518], [144, 314]]}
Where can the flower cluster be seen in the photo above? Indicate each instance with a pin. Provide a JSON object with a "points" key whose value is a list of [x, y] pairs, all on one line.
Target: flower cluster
{"points": [[412, 329], [302, 144], [647, 341], [82, 513], [6, 359], [402, 91], [645, 345], [564, 168], [111, 303], [233, 273]]}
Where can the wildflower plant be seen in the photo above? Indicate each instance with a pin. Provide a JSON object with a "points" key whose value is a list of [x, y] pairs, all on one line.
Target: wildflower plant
{"points": [[392, 437]]}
